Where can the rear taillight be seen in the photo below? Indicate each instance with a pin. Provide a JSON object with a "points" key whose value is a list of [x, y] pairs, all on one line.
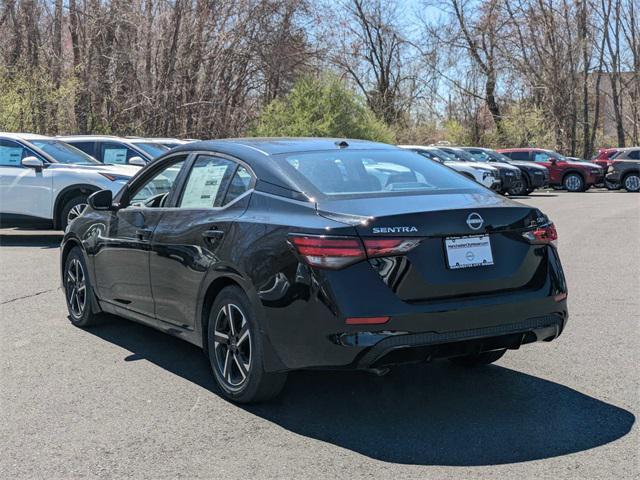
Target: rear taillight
{"points": [[339, 252], [543, 235]]}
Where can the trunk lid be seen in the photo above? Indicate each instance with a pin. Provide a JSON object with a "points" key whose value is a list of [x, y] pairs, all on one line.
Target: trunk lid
{"points": [[425, 273]]}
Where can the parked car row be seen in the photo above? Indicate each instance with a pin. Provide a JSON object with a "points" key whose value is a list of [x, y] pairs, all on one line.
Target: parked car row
{"points": [[46, 181]]}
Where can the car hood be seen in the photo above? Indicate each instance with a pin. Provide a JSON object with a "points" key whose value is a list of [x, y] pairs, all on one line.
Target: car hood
{"points": [[531, 165], [127, 170], [504, 165], [582, 164]]}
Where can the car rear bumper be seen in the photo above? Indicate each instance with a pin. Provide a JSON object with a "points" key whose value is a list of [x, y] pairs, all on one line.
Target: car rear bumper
{"points": [[441, 330]]}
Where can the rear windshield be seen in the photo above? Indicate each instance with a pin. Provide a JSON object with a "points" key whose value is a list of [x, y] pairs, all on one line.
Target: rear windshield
{"points": [[377, 172], [63, 152]]}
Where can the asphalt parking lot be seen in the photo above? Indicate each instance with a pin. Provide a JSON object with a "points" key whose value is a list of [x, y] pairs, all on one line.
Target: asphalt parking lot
{"points": [[122, 400]]}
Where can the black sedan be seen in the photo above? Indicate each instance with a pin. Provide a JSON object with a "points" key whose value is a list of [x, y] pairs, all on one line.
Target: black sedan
{"points": [[282, 254]]}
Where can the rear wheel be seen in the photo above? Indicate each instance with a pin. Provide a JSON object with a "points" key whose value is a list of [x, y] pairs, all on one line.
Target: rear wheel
{"points": [[236, 352], [478, 359], [573, 182], [78, 292], [631, 182], [71, 210]]}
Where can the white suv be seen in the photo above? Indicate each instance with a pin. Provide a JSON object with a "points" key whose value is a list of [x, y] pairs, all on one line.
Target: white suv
{"points": [[44, 181], [484, 175]]}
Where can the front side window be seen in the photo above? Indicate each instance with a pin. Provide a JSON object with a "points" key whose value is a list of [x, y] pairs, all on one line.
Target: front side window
{"points": [[160, 184], [541, 157], [207, 182], [116, 153], [11, 153], [63, 152], [377, 172]]}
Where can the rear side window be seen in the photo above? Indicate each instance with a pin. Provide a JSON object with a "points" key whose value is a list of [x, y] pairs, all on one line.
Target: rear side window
{"points": [[240, 183], [518, 155], [207, 182], [377, 172], [87, 147], [634, 155], [11, 153]]}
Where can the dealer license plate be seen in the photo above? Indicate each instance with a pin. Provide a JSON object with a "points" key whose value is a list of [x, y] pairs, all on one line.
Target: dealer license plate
{"points": [[467, 252]]}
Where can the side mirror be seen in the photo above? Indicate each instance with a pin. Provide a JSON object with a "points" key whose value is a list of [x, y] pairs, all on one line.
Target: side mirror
{"points": [[553, 160], [137, 161], [101, 200], [33, 162]]}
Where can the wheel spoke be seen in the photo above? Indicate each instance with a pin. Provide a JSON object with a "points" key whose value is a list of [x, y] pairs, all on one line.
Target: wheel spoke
{"points": [[240, 365], [220, 337], [225, 369], [232, 327], [72, 277], [244, 334]]}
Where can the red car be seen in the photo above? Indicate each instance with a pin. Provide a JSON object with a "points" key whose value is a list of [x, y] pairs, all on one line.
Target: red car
{"points": [[573, 176]]}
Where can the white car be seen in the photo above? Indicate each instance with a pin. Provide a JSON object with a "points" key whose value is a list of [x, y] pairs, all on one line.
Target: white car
{"points": [[113, 150], [484, 175], [44, 181]]}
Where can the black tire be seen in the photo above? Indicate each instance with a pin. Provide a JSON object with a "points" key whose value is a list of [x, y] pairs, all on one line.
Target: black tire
{"points": [[631, 182], [612, 186], [236, 352], [71, 209], [521, 188], [479, 359], [78, 292], [573, 182]]}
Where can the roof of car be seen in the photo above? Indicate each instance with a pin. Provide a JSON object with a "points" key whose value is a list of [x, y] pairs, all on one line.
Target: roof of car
{"points": [[258, 152], [92, 137], [23, 136], [280, 145], [525, 149]]}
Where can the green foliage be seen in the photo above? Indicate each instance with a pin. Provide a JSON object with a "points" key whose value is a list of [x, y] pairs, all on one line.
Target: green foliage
{"points": [[522, 126], [30, 102], [321, 108]]}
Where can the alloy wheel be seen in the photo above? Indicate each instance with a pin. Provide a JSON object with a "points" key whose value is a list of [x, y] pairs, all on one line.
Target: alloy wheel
{"points": [[232, 346], [76, 286], [632, 183], [75, 212], [573, 183]]}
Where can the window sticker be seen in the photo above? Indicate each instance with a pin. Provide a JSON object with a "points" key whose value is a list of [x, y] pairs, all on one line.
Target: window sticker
{"points": [[10, 156], [203, 185], [115, 155]]}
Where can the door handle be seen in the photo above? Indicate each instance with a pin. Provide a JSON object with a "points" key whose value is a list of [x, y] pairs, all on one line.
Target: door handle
{"points": [[143, 234], [213, 234]]}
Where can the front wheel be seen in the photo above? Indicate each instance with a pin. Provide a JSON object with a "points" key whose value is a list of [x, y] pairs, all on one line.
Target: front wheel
{"points": [[71, 210], [632, 182], [520, 188], [478, 359], [78, 292], [573, 182], [236, 351]]}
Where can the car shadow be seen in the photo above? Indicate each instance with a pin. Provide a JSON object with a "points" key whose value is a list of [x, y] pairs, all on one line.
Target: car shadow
{"points": [[14, 238], [434, 414]]}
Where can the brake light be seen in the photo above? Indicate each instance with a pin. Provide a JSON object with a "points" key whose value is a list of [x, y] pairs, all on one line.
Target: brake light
{"points": [[543, 235], [366, 320], [339, 252], [329, 252]]}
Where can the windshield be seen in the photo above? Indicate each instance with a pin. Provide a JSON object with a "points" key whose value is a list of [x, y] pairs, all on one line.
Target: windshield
{"points": [[64, 153], [459, 154], [153, 149], [362, 172], [486, 155]]}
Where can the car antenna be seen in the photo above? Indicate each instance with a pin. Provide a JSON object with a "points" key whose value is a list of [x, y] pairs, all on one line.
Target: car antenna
{"points": [[342, 144]]}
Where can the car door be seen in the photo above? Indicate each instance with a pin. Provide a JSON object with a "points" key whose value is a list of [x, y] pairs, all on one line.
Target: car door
{"points": [[114, 153], [555, 172], [193, 236], [122, 249], [24, 191]]}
